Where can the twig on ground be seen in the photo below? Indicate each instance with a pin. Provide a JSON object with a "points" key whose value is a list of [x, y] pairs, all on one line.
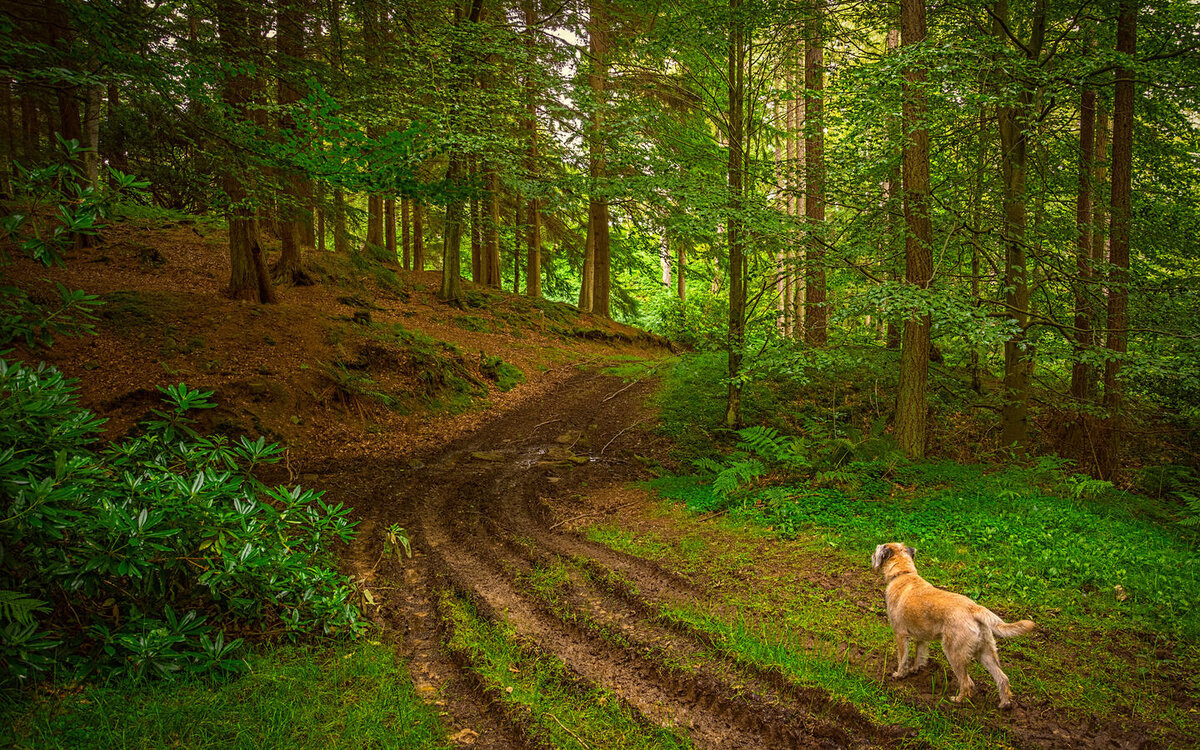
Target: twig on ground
{"points": [[537, 426], [649, 372], [568, 731], [602, 512], [714, 514], [619, 434]]}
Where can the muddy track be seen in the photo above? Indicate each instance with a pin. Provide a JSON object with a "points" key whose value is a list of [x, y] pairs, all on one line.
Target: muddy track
{"points": [[481, 529]]}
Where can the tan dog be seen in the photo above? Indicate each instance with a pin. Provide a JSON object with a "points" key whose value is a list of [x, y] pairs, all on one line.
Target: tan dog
{"points": [[921, 613]]}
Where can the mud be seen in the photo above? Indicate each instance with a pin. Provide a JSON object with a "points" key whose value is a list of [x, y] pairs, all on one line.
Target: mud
{"points": [[476, 513]]}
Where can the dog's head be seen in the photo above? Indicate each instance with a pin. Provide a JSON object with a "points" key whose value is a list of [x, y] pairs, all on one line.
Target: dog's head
{"points": [[885, 552]]}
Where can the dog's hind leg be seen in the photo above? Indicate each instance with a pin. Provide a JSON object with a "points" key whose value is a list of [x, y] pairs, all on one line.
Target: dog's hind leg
{"points": [[959, 652], [901, 655], [922, 655], [991, 661]]}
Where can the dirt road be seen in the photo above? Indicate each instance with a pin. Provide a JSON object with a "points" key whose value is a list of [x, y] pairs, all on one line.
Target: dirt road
{"points": [[476, 513]]}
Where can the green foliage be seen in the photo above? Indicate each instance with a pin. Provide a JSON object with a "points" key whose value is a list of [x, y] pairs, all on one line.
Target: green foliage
{"points": [[347, 696], [147, 539], [53, 207]]}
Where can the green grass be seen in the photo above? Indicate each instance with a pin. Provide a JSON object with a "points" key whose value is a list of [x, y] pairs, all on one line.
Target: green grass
{"points": [[353, 696], [996, 535], [557, 709]]}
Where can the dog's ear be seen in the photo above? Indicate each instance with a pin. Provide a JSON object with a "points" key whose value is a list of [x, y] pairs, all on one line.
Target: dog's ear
{"points": [[882, 553], [911, 552]]}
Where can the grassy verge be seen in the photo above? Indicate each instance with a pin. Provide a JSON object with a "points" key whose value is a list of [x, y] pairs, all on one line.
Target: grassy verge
{"points": [[1109, 577], [557, 709], [353, 696]]}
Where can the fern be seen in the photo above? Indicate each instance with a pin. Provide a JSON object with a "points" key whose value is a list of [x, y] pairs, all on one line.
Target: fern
{"points": [[18, 608], [708, 466], [1081, 486], [1192, 514], [736, 475]]}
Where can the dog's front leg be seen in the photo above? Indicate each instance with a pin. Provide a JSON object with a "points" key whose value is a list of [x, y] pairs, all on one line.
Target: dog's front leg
{"points": [[901, 655]]}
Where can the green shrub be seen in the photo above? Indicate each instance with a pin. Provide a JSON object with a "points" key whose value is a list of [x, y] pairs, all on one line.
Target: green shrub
{"points": [[116, 558]]}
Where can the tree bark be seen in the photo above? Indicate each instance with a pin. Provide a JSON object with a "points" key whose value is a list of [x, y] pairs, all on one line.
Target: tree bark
{"points": [[372, 43], [9, 135], [816, 314], [533, 258], [894, 238], [911, 403], [476, 230], [598, 217], [680, 271], [451, 289], [1018, 353], [588, 270], [389, 226], [91, 134], [248, 274], [491, 230], [1082, 378], [418, 237], [1119, 237], [293, 199], [341, 241], [734, 222], [405, 234]]}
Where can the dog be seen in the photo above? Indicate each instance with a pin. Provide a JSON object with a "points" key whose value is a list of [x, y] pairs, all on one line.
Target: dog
{"points": [[919, 612]]}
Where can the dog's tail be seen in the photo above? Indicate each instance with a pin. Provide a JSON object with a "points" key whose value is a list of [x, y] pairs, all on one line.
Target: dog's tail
{"points": [[1005, 629]]}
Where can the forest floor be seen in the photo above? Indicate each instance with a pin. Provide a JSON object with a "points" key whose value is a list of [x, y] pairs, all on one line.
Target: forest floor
{"points": [[551, 599]]}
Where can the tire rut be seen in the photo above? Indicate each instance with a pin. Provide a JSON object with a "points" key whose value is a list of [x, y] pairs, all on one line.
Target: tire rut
{"points": [[478, 515]]}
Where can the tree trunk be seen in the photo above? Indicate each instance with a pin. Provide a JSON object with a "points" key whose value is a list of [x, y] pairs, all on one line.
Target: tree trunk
{"points": [[1081, 375], [320, 212], [518, 230], [734, 222], [598, 218], [30, 148], [372, 43], [491, 230], [911, 403], [894, 237], [587, 271], [1119, 237], [248, 274], [292, 200], [451, 290], [1018, 354], [418, 237], [680, 272], [91, 134], [341, 242], [977, 227], [816, 314], [9, 135], [405, 234], [476, 230], [389, 226], [533, 259]]}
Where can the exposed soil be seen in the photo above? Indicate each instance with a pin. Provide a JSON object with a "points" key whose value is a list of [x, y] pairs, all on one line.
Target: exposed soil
{"points": [[480, 511]]}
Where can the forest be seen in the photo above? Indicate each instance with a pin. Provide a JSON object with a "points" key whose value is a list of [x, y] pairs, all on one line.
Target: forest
{"points": [[545, 373]]}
